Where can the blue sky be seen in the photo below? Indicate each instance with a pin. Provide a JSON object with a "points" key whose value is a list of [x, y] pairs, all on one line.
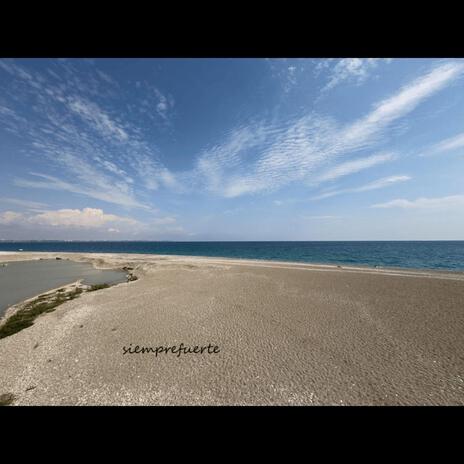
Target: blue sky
{"points": [[232, 149]]}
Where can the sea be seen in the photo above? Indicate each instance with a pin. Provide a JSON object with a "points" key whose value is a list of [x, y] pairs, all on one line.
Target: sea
{"points": [[439, 255]]}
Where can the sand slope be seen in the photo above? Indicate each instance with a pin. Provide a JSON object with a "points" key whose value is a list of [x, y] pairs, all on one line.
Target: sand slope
{"points": [[288, 334]]}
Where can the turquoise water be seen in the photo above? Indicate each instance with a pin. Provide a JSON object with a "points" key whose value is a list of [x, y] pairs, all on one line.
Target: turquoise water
{"points": [[444, 255]]}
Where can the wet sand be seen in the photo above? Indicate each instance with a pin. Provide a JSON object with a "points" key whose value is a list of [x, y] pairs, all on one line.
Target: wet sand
{"points": [[287, 333]]}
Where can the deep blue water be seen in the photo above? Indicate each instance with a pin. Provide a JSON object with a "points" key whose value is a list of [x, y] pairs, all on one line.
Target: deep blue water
{"points": [[445, 255]]}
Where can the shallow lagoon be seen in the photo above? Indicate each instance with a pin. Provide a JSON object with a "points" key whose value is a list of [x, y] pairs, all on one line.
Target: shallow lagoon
{"points": [[21, 280]]}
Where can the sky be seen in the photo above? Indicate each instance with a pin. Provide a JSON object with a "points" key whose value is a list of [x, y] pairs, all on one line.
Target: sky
{"points": [[232, 149]]}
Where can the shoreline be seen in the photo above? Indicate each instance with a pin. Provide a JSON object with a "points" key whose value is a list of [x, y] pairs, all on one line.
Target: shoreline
{"points": [[328, 336], [96, 261], [92, 257], [78, 283]]}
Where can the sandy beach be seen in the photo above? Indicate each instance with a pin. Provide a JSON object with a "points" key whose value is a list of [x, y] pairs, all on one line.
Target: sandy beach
{"points": [[287, 334]]}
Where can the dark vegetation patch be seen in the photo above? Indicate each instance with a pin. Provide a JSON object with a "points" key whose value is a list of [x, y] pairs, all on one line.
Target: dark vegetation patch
{"points": [[92, 288], [6, 399], [25, 317], [74, 294], [46, 303]]}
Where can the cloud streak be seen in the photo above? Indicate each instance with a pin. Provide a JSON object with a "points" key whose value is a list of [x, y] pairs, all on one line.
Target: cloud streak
{"points": [[87, 218], [452, 201], [263, 157], [102, 189], [23, 203], [351, 70], [449, 144], [98, 154], [354, 166], [377, 184]]}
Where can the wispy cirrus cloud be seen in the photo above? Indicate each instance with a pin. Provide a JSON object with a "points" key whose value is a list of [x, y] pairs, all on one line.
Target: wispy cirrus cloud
{"points": [[97, 119], [452, 201], [23, 203], [374, 185], [285, 71], [154, 104], [69, 119], [355, 70], [327, 217], [354, 166], [449, 144], [93, 142], [266, 156], [402, 103], [101, 190]]}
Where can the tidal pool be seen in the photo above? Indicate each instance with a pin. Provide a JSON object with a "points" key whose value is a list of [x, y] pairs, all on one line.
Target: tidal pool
{"points": [[20, 280]]}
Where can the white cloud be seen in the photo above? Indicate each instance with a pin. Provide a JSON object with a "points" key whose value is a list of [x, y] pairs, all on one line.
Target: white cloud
{"points": [[351, 69], [155, 104], [264, 157], [101, 189], [164, 104], [10, 217], [89, 222], [322, 217], [99, 120], [452, 143], [106, 78], [87, 218], [377, 184], [453, 201], [23, 203], [99, 155], [284, 72], [381, 183], [351, 167], [402, 103], [253, 158]]}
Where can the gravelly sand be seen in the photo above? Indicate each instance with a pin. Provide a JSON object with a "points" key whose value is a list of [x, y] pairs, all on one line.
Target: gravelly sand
{"points": [[288, 334]]}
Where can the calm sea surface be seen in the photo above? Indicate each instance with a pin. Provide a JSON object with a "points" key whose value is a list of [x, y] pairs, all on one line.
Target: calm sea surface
{"points": [[444, 255]]}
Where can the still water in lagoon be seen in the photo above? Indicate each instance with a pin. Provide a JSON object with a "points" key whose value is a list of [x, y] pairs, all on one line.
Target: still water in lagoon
{"points": [[20, 280]]}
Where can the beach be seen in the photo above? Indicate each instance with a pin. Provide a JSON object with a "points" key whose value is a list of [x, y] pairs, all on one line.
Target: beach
{"points": [[286, 334]]}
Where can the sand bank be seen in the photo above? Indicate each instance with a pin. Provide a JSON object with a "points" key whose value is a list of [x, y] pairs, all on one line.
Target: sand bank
{"points": [[287, 334]]}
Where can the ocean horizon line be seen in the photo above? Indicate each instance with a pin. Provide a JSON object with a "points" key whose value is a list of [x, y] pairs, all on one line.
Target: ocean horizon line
{"points": [[225, 241]]}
